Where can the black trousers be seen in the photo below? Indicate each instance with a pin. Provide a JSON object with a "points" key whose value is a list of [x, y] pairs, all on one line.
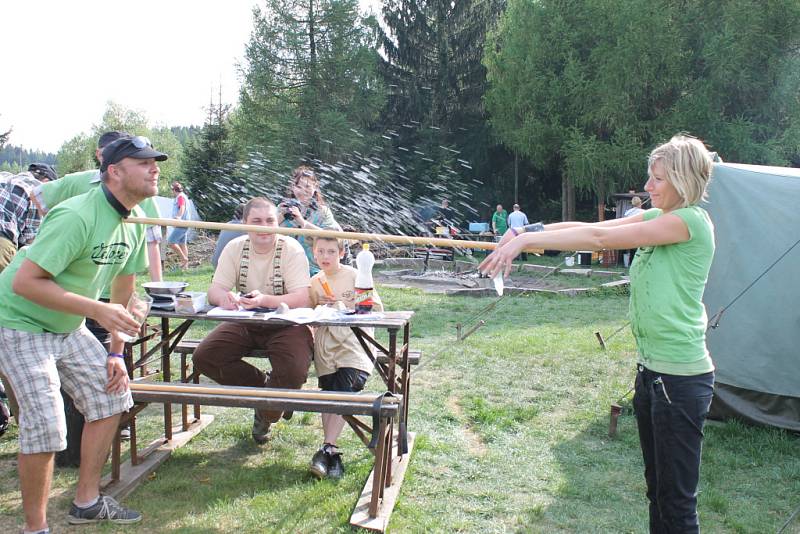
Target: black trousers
{"points": [[670, 412]]}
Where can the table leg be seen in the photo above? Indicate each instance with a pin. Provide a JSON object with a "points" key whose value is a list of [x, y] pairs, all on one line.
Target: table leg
{"points": [[165, 370]]}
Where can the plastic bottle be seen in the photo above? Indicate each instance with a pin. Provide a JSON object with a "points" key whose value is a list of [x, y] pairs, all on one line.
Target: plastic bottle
{"points": [[364, 285]]}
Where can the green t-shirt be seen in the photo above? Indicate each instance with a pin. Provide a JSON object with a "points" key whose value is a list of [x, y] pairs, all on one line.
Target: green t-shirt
{"points": [[500, 221], [668, 317], [51, 194], [84, 244]]}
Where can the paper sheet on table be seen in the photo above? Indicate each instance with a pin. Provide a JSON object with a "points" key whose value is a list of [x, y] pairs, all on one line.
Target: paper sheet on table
{"points": [[221, 312], [320, 313]]}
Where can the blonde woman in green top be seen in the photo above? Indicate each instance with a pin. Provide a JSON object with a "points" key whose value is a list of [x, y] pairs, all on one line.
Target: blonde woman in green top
{"points": [[675, 378]]}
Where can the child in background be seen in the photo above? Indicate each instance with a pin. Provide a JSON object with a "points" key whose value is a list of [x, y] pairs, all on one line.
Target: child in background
{"points": [[340, 361]]}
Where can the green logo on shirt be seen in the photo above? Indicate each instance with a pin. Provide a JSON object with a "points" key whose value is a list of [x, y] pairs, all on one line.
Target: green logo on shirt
{"points": [[112, 254]]}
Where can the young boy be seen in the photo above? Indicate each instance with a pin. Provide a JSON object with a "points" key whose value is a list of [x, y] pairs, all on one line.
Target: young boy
{"points": [[340, 361]]}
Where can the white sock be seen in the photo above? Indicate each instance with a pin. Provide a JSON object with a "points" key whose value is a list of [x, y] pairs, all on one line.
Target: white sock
{"points": [[86, 504]]}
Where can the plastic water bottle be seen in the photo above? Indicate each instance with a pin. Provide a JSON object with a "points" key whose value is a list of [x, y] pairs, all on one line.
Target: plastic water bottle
{"points": [[364, 285]]}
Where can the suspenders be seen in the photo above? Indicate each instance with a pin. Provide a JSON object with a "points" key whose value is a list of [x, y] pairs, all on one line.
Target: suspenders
{"points": [[244, 264]]}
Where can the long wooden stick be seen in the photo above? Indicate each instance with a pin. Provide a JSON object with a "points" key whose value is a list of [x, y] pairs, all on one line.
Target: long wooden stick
{"points": [[253, 392], [360, 236]]}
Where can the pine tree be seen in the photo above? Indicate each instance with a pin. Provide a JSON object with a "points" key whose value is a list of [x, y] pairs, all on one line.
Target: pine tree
{"points": [[210, 168], [433, 51], [310, 84]]}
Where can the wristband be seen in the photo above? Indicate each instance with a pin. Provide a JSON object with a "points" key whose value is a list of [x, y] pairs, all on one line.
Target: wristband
{"points": [[515, 232], [115, 355], [535, 227]]}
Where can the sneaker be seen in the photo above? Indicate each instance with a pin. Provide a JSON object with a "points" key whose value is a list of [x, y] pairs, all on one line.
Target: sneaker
{"points": [[260, 428], [319, 464], [105, 509], [335, 465], [125, 434]]}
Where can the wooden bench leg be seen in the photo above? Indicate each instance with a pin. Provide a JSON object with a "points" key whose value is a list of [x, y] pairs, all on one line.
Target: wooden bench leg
{"points": [[378, 476], [184, 407]]}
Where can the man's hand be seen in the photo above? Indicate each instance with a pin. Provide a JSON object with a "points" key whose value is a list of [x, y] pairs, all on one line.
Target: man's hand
{"points": [[253, 299], [230, 301], [115, 318], [117, 375]]}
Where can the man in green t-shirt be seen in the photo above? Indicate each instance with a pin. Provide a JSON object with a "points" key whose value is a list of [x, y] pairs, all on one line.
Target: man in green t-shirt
{"points": [[47, 196], [83, 246], [500, 221]]}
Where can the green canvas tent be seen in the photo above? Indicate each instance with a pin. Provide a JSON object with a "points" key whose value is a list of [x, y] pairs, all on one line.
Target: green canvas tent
{"points": [[756, 345]]}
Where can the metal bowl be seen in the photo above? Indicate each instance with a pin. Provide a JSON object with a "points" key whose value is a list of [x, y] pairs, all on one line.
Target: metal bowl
{"points": [[164, 288]]}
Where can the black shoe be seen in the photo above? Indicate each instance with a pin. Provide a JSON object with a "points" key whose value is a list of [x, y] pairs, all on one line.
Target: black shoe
{"points": [[260, 428], [319, 464], [335, 466], [105, 509], [287, 415]]}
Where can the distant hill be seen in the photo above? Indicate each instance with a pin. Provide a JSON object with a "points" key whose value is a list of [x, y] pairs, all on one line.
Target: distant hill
{"points": [[15, 158]]}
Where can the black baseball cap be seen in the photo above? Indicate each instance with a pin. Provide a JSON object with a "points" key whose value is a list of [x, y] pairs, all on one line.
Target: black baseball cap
{"points": [[43, 171], [137, 147], [109, 137]]}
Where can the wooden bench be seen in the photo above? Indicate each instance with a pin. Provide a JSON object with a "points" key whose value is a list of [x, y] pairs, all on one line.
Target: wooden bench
{"points": [[390, 459], [187, 346]]}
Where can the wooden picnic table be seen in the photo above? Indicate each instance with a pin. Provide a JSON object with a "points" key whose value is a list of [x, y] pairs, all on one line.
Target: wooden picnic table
{"points": [[393, 364]]}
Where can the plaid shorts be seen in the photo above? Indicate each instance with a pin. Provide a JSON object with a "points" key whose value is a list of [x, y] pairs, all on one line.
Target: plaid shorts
{"points": [[38, 365]]}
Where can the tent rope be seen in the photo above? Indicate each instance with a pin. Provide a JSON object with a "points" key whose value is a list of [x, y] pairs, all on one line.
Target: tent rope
{"points": [[714, 322]]}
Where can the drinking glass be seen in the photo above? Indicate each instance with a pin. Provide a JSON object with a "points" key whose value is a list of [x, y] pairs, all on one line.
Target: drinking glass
{"points": [[138, 306]]}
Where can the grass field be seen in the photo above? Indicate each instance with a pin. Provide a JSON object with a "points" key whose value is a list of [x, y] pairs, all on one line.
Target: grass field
{"points": [[511, 429]]}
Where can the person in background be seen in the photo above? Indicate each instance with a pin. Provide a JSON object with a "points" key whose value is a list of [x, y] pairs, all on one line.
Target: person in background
{"points": [[84, 245], [340, 362], [226, 236], [19, 222], [178, 238], [19, 218], [635, 209], [675, 379], [306, 208], [517, 219], [499, 221], [259, 269]]}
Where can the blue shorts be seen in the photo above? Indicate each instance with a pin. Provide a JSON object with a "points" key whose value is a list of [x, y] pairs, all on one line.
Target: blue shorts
{"points": [[178, 236]]}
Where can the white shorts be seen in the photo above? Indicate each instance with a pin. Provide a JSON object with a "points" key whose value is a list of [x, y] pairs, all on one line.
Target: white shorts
{"points": [[153, 234], [38, 365]]}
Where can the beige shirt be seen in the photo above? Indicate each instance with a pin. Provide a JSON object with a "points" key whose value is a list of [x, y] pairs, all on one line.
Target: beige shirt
{"points": [[294, 267], [337, 346]]}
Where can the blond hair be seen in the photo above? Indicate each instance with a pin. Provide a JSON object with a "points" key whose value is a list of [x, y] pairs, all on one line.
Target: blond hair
{"points": [[687, 164]]}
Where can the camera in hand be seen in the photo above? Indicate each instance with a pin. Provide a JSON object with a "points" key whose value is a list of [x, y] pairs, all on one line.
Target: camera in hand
{"points": [[294, 203], [288, 203]]}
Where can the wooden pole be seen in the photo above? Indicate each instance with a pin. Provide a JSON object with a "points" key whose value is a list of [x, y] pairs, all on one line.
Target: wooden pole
{"points": [[253, 392], [360, 236]]}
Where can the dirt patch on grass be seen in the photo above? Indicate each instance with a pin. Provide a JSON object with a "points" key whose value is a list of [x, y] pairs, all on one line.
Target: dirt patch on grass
{"points": [[474, 442]]}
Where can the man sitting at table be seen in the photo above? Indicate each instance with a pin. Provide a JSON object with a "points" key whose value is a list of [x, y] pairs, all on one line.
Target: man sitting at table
{"points": [[259, 270]]}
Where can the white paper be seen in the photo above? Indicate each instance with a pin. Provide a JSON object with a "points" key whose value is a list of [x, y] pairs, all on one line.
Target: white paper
{"points": [[498, 283], [222, 312]]}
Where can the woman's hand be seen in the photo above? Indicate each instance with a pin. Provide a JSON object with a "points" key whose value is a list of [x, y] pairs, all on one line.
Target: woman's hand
{"points": [[298, 217], [501, 260]]}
